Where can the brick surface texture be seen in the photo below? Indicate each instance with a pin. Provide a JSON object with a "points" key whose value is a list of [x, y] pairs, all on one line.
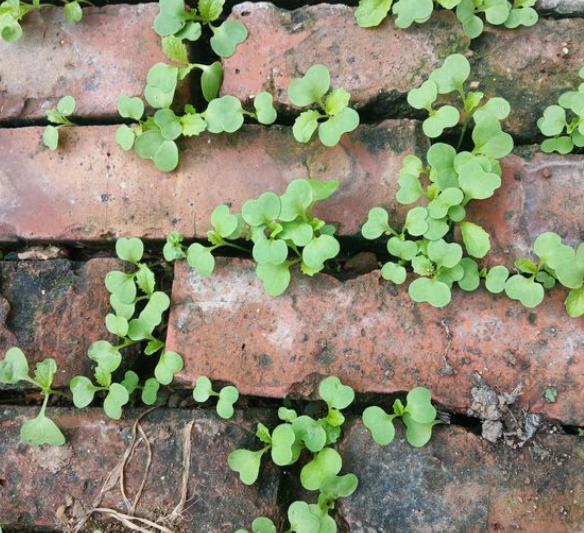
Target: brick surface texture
{"points": [[55, 309], [55, 487], [353, 325], [371, 335]]}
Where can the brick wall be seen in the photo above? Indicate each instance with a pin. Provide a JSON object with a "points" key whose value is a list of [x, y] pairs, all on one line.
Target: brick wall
{"points": [[88, 193]]}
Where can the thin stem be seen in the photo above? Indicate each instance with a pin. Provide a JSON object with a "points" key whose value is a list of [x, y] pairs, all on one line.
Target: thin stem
{"points": [[462, 133], [45, 402], [236, 246]]}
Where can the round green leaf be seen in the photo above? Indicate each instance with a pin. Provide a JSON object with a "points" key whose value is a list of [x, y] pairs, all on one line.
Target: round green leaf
{"points": [[325, 464], [335, 394], [525, 290], [66, 105], [227, 36], [283, 439], [377, 224], [224, 114], [41, 430], [380, 424], [331, 131], [434, 292], [319, 250], [311, 87], [150, 391], [394, 273], [476, 239], [83, 391], [275, 278], [130, 250], [107, 356], [305, 125], [265, 209], [130, 107], [227, 398], [168, 365], [116, 398], [372, 12], [125, 137], [203, 389], [51, 137], [246, 463], [496, 279], [452, 74], [264, 107], [14, 366], [200, 259], [419, 405]]}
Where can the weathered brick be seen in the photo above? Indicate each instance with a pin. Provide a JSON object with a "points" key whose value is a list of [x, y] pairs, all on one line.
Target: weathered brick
{"points": [[55, 308], [459, 482], [106, 55], [91, 190], [530, 67], [372, 336], [540, 192], [377, 66], [36, 482], [561, 7], [284, 44]]}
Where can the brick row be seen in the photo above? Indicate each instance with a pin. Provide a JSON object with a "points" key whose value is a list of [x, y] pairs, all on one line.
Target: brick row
{"points": [[372, 336], [106, 55], [561, 7], [53, 487], [459, 482], [530, 67], [93, 191], [54, 308]]}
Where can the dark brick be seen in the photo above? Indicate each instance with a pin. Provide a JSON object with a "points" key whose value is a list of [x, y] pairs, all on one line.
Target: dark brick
{"points": [[36, 482]]}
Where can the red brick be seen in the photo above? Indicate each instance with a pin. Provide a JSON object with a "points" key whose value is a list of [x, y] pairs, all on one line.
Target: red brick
{"points": [[372, 336], [91, 190], [56, 309], [106, 55], [37, 481], [459, 482], [540, 193], [377, 66]]}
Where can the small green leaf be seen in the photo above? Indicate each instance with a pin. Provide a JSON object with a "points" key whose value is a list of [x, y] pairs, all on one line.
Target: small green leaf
{"points": [[130, 381], [452, 75], [224, 114], [130, 250], [476, 239], [227, 36], [335, 394], [203, 389], [325, 464], [66, 106], [394, 273], [150, 391], [319, 250], [310, 432], [496, 279], [305, 125], [409, 11], [125, 137], [107, 357], [200, 259], [14, 366], [131, 107], [265, 209], [275, 278], [417, 434], [168, 365], [172, 17], [210, 10], [264, 107], [51, 137], [419, 405], [525, 290], [211, 80], [575, 303], [331, 131], [283, 439], [116, 398], [247, 464], [117, 325], [377, 224], [83, 391], [227, 398], [41, 430], [380, 424], [311, 87], [434, 292], [161, 85], [372, 12]]}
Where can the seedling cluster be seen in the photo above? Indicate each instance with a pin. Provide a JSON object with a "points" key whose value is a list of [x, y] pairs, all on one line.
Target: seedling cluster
{"points": [[283, 230], [470, 13], [564, 122]]}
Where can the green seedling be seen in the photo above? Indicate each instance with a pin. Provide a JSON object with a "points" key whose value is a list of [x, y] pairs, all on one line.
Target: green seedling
{"points": [[285, 444], [226, 397], [283, 230], [184, 22], [445, 183], [557, 263], [371, 13], [59, 119], [333, 118], [418, 415], [564, 122], [138, 309], [14, 368], [13, 11]]}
